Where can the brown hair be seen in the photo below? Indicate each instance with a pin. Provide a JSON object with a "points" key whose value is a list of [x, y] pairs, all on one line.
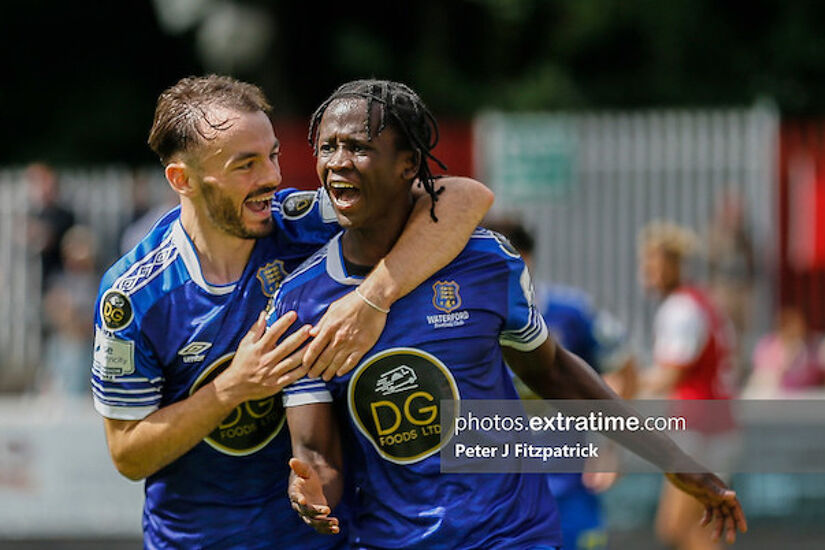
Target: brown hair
{"points": [[184, 109]]}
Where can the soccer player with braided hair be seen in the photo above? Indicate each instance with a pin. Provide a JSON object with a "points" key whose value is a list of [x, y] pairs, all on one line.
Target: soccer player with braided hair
{"points": [[445, 340], [399, 107]]}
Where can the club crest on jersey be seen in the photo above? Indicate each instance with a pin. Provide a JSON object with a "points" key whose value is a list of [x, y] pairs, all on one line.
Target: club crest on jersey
{"points": [[447, 300], [395, 401], [271, 275], [446, 297], [298, 204], [116, 309], [250, 426]]}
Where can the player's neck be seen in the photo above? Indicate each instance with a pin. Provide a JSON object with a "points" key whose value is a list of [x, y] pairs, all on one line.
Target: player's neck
{"points": [[366, 245], [670, 288], [222, 256]]}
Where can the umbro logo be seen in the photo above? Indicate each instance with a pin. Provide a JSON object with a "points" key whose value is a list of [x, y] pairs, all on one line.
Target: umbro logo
{"points": [[194, 351]]}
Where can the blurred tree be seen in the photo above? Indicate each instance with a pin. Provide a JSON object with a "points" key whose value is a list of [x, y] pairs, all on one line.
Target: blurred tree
{"points": [[81, 78]]}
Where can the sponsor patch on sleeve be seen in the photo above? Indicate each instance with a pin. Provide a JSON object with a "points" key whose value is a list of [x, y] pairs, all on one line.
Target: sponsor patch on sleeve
{"points": [[113, 357]]}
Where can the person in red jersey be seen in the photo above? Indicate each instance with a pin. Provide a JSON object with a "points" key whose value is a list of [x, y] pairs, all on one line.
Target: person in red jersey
{"points": [[692, 344]]}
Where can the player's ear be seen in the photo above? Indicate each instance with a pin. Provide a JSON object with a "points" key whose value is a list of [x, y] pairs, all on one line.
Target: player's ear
{"points": [[411, 161], [177, 174]]}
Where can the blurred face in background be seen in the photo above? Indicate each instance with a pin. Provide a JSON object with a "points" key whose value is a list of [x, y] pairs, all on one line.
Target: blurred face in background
{"points": [[235, 173], [659, 269]]}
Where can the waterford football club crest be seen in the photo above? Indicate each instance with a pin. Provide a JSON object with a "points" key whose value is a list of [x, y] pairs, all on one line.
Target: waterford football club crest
{"points": [[271, 276], [445, 296]]}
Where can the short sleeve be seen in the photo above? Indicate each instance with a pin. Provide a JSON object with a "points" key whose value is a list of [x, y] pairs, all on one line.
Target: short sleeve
{"points": [[306, 391], [680, 332], [524, 328], [126, 378]]}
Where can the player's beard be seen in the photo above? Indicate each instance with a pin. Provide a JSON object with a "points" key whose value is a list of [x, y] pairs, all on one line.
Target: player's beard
{"points": [[226, 216]]}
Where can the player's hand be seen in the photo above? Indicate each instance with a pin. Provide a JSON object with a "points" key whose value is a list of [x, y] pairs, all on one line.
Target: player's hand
{"points": [[721, 505], [601, 473], [599, 482], [348, 329], [307, 497], [262, 367]]}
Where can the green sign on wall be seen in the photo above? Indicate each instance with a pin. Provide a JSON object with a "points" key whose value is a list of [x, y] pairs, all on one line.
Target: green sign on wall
{"points": [[526, 157]]}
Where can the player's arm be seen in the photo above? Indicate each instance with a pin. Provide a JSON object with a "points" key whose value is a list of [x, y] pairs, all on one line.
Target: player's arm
{"points": [[662, 379], [554, 373], [352, 324], [260, 368], [316, 480]]}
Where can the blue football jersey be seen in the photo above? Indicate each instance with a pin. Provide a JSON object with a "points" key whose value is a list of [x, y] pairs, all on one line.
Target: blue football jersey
{"points": [[161, 332], [599, 340], [442, 341]]}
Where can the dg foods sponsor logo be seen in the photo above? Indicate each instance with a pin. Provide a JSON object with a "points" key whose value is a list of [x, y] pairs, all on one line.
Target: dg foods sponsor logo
{"points": [[395, 400], [250, 426]]}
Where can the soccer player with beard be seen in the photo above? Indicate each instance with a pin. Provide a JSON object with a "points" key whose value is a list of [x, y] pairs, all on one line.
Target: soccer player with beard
{"points": [[187, 390]]}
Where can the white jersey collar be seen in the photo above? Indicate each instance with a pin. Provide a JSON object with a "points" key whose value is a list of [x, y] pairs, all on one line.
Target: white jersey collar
{"points": [[187, 252], [335, 263]]}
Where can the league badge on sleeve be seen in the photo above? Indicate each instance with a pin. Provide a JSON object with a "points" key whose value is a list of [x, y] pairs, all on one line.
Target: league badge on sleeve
{"points": [[116, 310], [298, 204]]}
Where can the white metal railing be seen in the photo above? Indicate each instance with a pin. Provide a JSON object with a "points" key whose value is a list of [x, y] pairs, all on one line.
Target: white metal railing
{"points": [[586, 183]]}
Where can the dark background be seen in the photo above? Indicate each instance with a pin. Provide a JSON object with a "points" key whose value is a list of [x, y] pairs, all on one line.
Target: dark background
{"points": [[80, 78]]}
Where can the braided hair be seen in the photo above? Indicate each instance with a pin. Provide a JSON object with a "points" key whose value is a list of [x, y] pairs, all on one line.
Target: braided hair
{"points": [[400, 108]]}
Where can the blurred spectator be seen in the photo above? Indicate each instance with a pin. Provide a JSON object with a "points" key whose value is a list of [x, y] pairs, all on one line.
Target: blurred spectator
{"points": [[692, 341], [145, 212], [67, 307], [791, 358], [48, 219], [732, 266], [599, 339]]}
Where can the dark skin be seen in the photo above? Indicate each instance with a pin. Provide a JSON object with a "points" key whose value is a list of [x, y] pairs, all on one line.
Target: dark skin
{"points": [[549, 370]]}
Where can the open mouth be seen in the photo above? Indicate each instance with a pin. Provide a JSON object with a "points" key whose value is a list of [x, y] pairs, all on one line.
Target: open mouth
{"points": [[260, 204], [344, 194]]}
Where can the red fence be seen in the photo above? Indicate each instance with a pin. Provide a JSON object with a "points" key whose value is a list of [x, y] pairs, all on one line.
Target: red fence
{"points": [[801, 203], [455, 149]]}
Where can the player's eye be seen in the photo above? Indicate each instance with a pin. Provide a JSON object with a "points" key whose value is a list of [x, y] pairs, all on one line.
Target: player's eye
{"points": [[326, 148], [246, 165]]}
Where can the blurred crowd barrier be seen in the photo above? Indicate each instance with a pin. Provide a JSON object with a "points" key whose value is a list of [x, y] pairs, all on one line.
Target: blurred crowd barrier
{"points": [[586, 183], [58, 232]]}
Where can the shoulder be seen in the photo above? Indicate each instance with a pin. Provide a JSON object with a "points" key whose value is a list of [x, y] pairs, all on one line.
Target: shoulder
{"points": [[680, 306], [133, 283], [492, 248], [568, 300], [307, 275]]}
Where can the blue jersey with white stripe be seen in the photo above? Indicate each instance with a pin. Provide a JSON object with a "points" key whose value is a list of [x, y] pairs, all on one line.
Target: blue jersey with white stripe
{"points": [[442, 341], [162, 332]]}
